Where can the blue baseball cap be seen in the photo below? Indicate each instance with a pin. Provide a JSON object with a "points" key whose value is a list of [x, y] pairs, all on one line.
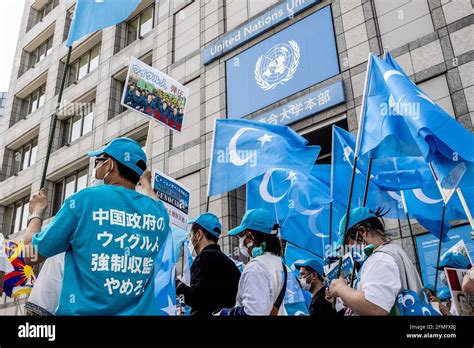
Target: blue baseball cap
{"points": [[356, 215], [454, 260], [126, 151], [259, 220], [315, 264], [444, 294], [209, 222]]}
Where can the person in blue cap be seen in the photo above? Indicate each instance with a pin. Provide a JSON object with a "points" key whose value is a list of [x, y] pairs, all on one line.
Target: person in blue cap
{"points": [[214, 276], [262, 284], [384, 274], [111, 234], [311, 279]]}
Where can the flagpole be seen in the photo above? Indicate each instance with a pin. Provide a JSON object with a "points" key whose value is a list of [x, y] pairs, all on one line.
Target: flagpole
{"points": [[356, 156], [439, 248], [309, 251], [278, 221], [148, 143], [330, 231], [54, 120], [465, 206], [364, 202], [413, 241]]}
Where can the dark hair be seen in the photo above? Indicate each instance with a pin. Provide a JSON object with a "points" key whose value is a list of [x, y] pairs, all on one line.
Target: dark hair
{"points": [[272, 242], [371, 224], [319, 276], [128, 173], [207, 234]]}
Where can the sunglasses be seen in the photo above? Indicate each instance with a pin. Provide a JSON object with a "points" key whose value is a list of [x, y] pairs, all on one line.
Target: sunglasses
{"points": [[99, 160]]}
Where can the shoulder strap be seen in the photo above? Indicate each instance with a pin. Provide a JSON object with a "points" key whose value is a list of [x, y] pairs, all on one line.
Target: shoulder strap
{"points": [[404, 271], [281, 295]]}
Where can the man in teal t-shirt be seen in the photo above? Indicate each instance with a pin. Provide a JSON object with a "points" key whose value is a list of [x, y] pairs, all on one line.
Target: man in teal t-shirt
{"points": [[111, 235]]}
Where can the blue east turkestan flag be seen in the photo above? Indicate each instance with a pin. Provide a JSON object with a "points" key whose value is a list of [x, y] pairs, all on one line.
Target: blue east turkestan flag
{"points": [[343, 159], [285, 192], [245, 149], [401, 120], [164, 274], [307, 225], [93, 15]]}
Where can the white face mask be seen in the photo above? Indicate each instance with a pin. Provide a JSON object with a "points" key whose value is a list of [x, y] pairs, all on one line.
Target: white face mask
{"points": [[304, 285], [193, 247], [243, 248], [94, 180]]}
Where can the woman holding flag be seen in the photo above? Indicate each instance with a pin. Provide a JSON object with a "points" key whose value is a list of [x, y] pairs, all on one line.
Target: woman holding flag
{"points": [[263, 282], [386, 272]]}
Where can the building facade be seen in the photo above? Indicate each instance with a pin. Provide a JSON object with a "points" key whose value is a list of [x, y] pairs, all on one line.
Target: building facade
{"points": [[202, 44]]}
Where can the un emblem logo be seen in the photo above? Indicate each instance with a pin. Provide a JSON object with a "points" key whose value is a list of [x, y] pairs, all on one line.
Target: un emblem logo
{"points": [[278, 65]]}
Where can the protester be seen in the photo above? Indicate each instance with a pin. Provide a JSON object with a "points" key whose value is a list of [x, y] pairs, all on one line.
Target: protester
{"points": [[262, 285], [311, 279], [214, 276], [384, 274], [111, 235], [44, 296]]}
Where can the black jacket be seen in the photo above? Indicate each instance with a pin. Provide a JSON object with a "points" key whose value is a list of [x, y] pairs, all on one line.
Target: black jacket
{"points": [[320, 306], [214, 282]]}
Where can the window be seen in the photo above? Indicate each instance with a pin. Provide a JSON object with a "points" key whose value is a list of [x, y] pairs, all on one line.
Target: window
{"points": [[41, 52], [141, 24], [50, 5], [33, 101], [67, 186], [37, 15], [186, 31], [84, 65], [25, 156], [79, 124], [401, 22], [16, 216], [323, 137]]}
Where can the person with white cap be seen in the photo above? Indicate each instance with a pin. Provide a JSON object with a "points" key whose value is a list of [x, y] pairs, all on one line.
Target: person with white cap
{"points": [[214, 276], [111, 235], [262, 285], [311, 279], [386, 271]]}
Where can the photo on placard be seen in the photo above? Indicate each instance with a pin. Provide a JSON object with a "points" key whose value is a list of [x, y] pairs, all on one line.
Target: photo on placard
{"points": [[155, 95]]}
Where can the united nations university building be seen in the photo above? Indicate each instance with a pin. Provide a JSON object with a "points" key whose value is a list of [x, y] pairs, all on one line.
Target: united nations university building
{"points": [[300, 63]]}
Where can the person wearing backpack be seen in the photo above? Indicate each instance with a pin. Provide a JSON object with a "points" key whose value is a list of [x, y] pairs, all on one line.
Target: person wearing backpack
{"points": [[386, 273], [262, 284]]}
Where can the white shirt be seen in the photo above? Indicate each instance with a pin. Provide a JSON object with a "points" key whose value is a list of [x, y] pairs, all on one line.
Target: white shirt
{"points": [[47, 288], [380, 280], [260, 278], [5, 264]]}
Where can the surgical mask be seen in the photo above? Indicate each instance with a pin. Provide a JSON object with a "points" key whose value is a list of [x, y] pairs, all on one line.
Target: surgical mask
{"points": [[368, 250], [243, 249], [357, 253], [257, 251], [304, 284], [95, 181], [193, 247]]}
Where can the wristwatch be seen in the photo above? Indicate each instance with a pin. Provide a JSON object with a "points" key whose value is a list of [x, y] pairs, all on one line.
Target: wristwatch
{"points": [[34, 216]]}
